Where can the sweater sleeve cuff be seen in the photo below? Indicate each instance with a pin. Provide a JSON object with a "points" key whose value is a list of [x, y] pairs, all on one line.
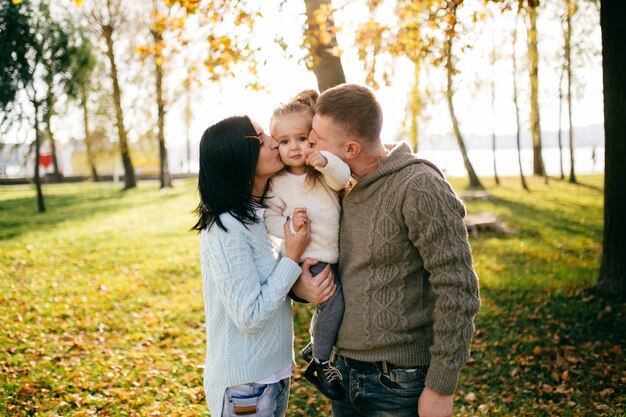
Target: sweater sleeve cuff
{"points": [[289, 268], [336, 171], [442, 380]]}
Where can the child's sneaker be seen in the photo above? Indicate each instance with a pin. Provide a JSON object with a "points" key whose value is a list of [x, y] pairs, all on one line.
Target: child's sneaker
{"points": [[326, 378], [307, 352]]}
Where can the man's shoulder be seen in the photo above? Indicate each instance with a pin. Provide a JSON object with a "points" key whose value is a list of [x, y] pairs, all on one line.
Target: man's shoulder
{"points": [[419, 167], [402, 158]]}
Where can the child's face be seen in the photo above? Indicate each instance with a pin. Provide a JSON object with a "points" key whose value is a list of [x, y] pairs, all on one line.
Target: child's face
{"points": [[291, 131]]}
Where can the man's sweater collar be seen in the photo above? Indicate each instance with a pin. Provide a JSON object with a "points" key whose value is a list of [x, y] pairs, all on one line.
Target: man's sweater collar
{"points": [[399, 157]]}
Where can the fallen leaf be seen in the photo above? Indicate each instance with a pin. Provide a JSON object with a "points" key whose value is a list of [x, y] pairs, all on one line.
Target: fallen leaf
{"points": [[470, 397]]}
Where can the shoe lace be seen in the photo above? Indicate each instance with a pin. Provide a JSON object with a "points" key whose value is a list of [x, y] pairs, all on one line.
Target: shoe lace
{"points": [[333, 373]]}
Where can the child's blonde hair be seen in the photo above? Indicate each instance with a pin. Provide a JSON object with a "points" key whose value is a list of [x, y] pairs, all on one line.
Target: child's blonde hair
{"points": [[303, 102]]}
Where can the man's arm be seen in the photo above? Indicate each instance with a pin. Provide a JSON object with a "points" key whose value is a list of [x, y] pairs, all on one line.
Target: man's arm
{"points": [[433, 404], [434, 217]]}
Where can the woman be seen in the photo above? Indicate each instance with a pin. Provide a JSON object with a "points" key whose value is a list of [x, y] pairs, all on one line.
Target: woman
{"points": [[249, 328]]}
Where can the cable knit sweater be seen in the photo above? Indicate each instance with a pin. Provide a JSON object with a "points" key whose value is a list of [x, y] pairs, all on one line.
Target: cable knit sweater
{"points": [[249, 328], [409, 286], [289, 191]]}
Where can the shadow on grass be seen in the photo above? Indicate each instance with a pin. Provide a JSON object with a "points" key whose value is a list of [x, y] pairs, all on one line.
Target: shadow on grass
{"points": [[578, 183], [542, 351], [554, 219], [19, 215], [577, 316]]}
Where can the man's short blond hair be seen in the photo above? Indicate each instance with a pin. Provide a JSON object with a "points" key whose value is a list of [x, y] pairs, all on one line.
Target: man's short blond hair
{"points": [[354, 109]]}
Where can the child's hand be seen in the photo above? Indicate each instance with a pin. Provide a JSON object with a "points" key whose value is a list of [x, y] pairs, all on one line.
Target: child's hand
{"points": [[299, 218], [316, 159]]}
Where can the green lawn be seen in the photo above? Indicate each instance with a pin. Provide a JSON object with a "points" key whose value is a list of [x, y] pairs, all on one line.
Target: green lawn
{"points": [[101, 306]]}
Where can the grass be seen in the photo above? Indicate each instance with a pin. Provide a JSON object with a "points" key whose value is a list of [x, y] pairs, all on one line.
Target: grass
{"points": [[101, 305]]}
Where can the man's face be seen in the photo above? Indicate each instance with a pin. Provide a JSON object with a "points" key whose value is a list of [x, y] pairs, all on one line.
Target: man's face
{"points": [[326, 136]]}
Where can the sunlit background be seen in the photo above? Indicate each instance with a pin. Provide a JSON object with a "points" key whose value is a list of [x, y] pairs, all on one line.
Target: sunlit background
{"points": [[282, 73]]}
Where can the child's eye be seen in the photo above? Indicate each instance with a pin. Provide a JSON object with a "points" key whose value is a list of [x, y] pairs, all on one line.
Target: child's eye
{"points": [[303, 139], [284, 142]]}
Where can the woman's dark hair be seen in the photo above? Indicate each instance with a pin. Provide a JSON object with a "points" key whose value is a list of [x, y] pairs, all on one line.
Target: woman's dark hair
{"points": [[229, 151]]}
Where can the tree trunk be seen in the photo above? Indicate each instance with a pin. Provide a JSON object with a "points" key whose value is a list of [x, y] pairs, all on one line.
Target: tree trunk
{"points": [[88, 144], [129, 172], [517, 117], [323, 42], [37, 178], [612, 280], [473, 178], [560, 123], [533, 58], [48, 112], [415, 106], [568, 63], [188, 111], [493, 113], [164, 171]]}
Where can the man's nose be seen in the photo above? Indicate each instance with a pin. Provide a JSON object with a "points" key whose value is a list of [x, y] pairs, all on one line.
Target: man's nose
{"points": [[312, 139]]}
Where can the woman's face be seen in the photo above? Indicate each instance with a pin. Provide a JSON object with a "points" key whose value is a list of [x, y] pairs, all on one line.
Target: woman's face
{"points": [[269, 162]]}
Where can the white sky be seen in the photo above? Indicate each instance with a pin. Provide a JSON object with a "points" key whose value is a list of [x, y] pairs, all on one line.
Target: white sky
{"points": [[286, 77]]}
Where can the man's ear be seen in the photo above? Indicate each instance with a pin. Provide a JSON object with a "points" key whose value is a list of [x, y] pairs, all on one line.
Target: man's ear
{"points": [[351, 150]]}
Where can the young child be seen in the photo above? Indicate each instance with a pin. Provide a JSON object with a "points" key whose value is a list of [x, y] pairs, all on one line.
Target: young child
{"points": [[309, 184]]}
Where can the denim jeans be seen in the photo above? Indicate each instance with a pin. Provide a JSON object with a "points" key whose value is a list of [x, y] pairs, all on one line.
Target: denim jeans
{"points": [[257, 400], [376, 392]]}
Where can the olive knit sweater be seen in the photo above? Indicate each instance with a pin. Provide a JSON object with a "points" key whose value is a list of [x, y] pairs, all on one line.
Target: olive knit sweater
{"points": [[406, 269]]}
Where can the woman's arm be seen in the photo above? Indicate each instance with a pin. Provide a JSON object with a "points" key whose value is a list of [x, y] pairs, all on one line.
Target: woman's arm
{"points": [[248, 303]]}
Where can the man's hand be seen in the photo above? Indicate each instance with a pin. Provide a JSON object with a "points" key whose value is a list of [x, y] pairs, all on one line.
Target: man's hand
{"points": [[433, 404], [314, 289], [316, 159]]}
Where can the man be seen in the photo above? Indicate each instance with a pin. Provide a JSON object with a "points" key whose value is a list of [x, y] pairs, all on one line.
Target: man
{"points": [[405, 266]]}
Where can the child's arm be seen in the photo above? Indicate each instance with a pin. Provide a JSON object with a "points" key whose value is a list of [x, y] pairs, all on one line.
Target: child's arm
{"points": [[336, 172], [273, 215]]}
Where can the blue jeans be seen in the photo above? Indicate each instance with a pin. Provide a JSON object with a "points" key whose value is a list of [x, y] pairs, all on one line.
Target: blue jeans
{"points": [[373, 391], [257, 400]]}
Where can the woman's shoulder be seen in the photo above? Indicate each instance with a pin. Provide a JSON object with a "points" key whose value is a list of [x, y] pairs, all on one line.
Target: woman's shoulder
{"points": [[232, 225]]}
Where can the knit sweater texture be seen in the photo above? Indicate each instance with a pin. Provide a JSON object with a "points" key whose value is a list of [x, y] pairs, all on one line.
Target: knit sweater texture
{"points": [[249, 328], [406, 269], [289, 191]]}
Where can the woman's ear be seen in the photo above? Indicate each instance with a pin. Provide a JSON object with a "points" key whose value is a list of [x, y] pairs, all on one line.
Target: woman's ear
{"points": [[352, 149]]}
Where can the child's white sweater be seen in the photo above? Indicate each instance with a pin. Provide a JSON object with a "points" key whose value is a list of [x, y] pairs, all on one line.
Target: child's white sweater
{"points": [[289, 191]]}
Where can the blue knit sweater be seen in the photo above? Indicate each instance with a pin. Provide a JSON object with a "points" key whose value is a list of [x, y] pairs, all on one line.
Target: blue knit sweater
{"points": [[249, 327]]}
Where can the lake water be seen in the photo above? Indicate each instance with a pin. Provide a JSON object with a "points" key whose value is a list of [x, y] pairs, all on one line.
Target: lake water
{"points": [[451, 161]]}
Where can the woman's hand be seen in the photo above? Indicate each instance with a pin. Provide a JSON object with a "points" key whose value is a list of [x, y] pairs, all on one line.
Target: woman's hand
{"points": [[296, 244], [315, 289]]}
